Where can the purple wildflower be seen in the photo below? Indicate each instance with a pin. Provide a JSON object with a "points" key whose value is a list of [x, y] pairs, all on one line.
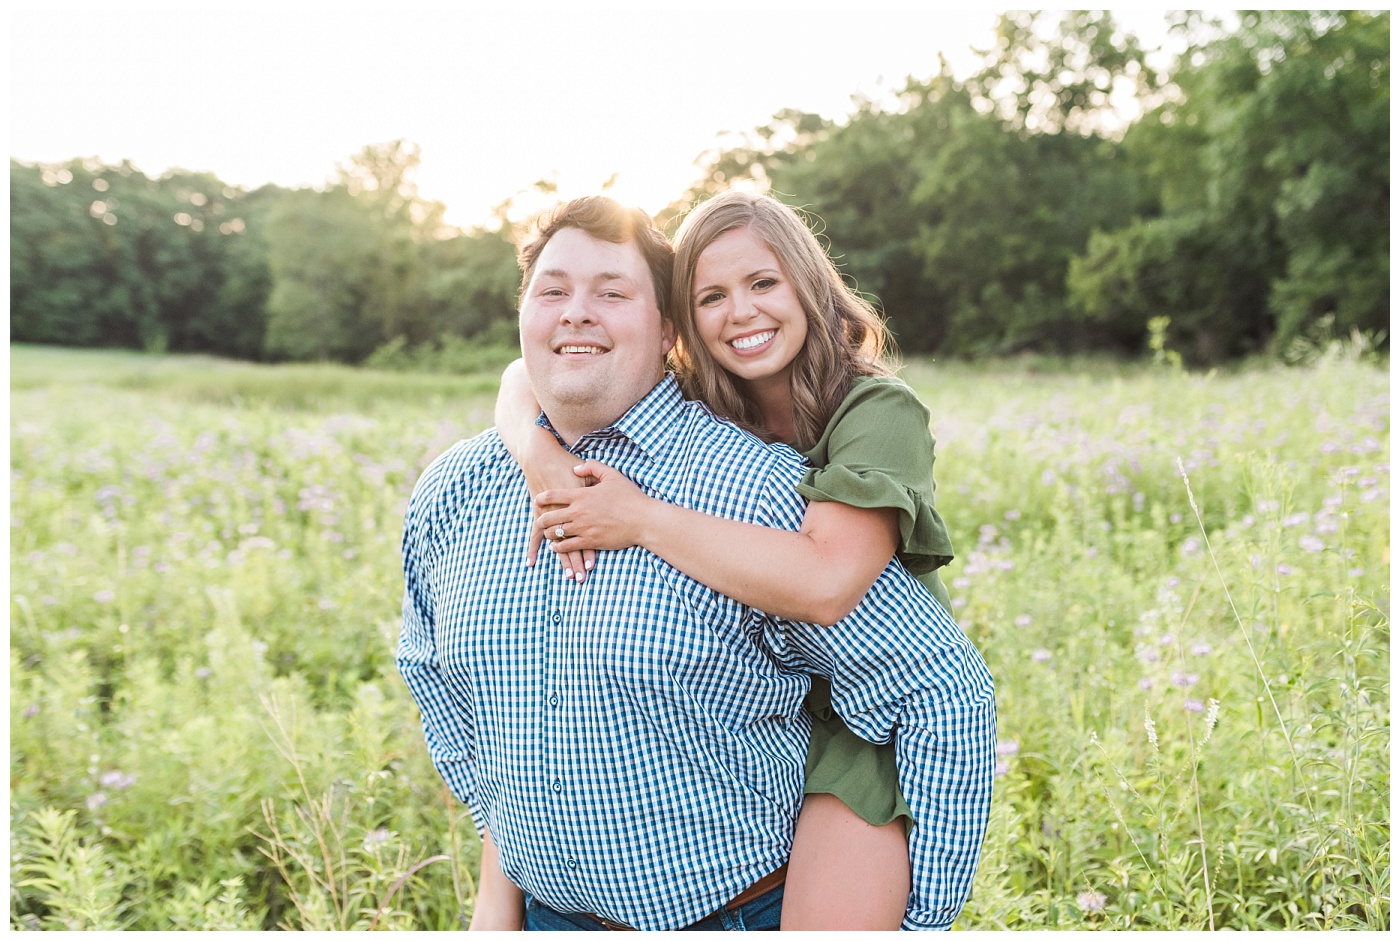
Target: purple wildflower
{"points": [[1091, 902], [1040, 655]]}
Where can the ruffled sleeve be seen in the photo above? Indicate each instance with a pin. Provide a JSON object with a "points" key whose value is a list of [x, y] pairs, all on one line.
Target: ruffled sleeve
{"points": [[877, 451]]}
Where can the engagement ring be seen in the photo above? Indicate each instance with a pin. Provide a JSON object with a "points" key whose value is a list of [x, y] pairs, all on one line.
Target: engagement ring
{"points": [[559, 532]]}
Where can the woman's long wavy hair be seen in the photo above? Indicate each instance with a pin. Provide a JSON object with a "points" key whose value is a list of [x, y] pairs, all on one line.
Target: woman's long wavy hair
{"points": [[846, 338]]}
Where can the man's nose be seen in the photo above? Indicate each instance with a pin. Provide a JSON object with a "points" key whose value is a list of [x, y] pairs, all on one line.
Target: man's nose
{"points": [[577, 310]]}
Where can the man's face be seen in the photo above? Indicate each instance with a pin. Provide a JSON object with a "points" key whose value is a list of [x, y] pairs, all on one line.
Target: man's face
{"points": [[591, 332]]}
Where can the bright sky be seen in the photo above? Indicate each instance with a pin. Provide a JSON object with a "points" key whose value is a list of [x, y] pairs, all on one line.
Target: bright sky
{"points": [[496, 98]]}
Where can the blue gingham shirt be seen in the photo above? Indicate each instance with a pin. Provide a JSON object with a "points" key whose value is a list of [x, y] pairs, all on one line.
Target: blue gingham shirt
{"points": [[635, 745]]}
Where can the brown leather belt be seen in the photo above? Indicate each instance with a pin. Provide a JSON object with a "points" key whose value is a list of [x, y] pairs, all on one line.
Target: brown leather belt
{"points": [[762, 887]]}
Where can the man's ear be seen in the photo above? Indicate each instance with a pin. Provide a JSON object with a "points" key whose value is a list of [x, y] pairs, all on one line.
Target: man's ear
{"points": [[668, 336]]}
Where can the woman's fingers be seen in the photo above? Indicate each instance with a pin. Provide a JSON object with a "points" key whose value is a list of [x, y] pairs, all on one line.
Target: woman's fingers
{"points": [[532, 554]]}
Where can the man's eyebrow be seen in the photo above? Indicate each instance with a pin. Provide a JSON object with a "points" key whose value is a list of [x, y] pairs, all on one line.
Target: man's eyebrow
{"points": [[601, 276]]}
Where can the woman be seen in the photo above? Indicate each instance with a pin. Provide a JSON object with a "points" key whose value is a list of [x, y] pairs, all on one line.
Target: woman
{"points": [[773, 339]]}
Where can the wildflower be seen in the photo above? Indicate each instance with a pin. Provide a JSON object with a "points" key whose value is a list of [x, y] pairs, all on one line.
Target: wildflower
{"points": [[961, 581], [1001, 768], [1312, 544], [1212, 714], [1355, 573], [203, 673], [1144, 684], [1175, 517], [31, 711], [1184, 679], [105, 596], [1047, 478], [1295, 519], [1201, 650], [1023, 620], [1173, 581], [1191, 546], [1151, 728], [1285, 570], [325, 604], [375, 837], [1195, 705], [959, 602], [1013, 515], [1008, 747], [96, 800], [117, 779], [1091, 902], [1147, 655], [1040, 655]]}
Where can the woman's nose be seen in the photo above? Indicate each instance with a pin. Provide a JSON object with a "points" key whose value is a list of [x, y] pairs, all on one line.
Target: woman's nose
{"points": [[742, 308]]}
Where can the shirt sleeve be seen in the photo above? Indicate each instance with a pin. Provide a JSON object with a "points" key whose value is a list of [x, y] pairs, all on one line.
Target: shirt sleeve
{"points": [[448, 723], [878, 451], [901, 669]]}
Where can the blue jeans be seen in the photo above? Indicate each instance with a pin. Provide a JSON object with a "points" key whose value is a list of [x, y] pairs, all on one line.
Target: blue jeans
{"points": [[762, 914]]}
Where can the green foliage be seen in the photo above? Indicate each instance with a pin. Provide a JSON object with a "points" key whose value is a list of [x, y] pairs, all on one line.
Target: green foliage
{"points": [[208, 732], [1272, 164], [1006, 212], [104, 256]]}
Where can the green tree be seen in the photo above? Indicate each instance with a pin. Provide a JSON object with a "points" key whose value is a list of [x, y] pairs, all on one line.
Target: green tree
{"points": [[1271, 164], [323, 249]]}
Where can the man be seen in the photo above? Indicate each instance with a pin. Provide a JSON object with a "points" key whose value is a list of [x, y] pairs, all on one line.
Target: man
{"points": [[632, 748]]}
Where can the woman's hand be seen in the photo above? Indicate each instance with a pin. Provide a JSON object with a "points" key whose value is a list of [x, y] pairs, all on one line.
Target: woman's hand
{"points": [[549, 469], [543, 459], [610, 513]]}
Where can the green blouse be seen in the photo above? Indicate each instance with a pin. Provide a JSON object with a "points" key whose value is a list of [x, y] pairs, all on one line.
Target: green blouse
{"points": [[877, 451]]}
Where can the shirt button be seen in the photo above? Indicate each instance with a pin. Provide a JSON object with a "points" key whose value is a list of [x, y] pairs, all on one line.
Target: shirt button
{"points": [[554, 700], [558, 785], [571, 863], [556, 617]]}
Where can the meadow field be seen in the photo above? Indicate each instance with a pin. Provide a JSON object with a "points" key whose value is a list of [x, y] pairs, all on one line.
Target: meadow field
{"points": [[1180, 581]]}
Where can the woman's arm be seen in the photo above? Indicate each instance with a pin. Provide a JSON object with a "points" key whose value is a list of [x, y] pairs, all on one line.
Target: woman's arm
{"points": [[817, 575], [500, 903], [547, 465]]}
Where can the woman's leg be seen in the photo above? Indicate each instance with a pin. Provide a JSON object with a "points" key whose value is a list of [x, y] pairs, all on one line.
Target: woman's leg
{"points": [[845, 874]]}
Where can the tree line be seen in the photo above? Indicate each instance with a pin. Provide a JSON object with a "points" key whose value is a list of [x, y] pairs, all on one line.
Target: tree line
{"points": [[1245, 209]]}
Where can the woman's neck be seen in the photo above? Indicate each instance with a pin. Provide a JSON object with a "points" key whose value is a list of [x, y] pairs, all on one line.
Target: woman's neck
{"points": [[774, 401]]}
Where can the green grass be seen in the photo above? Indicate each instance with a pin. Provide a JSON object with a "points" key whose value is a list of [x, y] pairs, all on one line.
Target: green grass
{"points": [[207, 729]]}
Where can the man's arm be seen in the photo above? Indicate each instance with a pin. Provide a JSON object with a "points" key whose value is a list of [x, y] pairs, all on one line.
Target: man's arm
{"points": [[901, 668], [500, 903], [448, 726]]}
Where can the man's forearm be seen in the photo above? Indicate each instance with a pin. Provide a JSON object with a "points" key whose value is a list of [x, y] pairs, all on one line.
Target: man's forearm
{"points": [[945, 754], [500, 904]]}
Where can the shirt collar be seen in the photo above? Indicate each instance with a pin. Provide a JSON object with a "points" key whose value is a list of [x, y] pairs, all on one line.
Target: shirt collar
{"points": [[649, 424]]}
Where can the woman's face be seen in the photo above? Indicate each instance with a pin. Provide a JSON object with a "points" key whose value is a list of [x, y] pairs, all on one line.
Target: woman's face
{"points": [[746, 310]]}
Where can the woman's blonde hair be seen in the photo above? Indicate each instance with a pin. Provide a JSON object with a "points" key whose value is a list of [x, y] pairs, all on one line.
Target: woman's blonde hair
{"points": [[845, 337]]}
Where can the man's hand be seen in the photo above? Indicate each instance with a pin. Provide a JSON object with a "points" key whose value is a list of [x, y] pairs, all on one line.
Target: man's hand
{"points": [[500, 904]]}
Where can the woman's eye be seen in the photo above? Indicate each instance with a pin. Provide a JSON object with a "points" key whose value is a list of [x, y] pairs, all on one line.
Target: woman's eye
{"points": [[709, 299], [763, 284]]}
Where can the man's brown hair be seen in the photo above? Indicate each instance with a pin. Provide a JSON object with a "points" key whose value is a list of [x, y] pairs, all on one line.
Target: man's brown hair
{"points": [[606, 219]]}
